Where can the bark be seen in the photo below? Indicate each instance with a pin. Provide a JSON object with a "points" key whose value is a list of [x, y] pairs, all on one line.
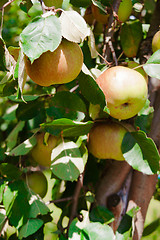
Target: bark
{"points": [[142, 186]]}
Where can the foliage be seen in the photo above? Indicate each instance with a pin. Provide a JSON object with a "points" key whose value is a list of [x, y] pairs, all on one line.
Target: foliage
{"points": [[62, 110]]}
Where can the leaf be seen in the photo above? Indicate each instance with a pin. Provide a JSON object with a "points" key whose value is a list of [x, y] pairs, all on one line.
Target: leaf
{"points": [[81, 3], [23, 148], [151, 227], [90, 90], [67, 105], [101, 214], [12, 137], [30, 227], [2, 54], [27, 98], [97, 231], [130, 37], [26, 111], [92, 45], [2, 221], [37, 207], [67, 127], [2, 188], [10, 171], [74, 27], [66, 161], [152, 66], [16, 203], [140, 152], [144, 118], [41, 35]]}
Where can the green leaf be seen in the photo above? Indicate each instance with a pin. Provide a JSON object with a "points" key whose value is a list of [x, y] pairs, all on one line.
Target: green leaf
{"points": [[101, 214], [41, 35], [2, 221], [67, 127], [10, 171], [81, 3], [74, 27], [2, 188], [90, 90], [2, 54], [30, 110], [151, 227], [23, 148], [66, 161], [144, 118], [12, 137], [27, 98], [97, 231], [152, 66], [67, 105], [30, 227], [16, 203], [140, 152], [130, 37], [37, 206]]}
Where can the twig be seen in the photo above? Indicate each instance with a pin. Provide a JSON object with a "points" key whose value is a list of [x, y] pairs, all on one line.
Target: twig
{"points": [[110, 31], [6, 4], [75, 198]]}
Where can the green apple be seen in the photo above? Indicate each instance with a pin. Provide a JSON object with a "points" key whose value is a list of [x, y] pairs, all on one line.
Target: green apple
{"points": [[37, 182], [41, 152], [105, 140], [156, 41], [55, 3], [125, 91], [125, 10]]}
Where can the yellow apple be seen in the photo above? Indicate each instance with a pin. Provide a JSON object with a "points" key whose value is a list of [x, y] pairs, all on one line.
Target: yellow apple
{"points": [[105, 140], [156, 41], [41, 153], [55, 3], [125, 9], [99, 15], [37, 182], [125, 91], [58, 67]]}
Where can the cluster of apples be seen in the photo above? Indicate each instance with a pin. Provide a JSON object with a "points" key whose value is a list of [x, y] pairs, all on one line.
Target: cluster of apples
{"points": [[125, 91]]}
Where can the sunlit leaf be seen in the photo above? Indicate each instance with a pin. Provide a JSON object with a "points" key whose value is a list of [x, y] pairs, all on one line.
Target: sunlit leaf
{"points": [[67, 127], [74, 27], [23, 148], [67, 162], [141, 152], [152, 66], [41, 35]]}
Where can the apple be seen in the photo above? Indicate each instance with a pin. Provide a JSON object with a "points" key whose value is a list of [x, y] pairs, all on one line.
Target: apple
{"points": [[55, 3], [156, 41], [132, 64], [99, 15], [58, 67], [125, 91], [41, 153], [125, 10], [37, 182], [105, 139]]}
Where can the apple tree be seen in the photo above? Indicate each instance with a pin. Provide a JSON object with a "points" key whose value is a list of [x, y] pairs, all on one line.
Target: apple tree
{"points": [[79, 118]]}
